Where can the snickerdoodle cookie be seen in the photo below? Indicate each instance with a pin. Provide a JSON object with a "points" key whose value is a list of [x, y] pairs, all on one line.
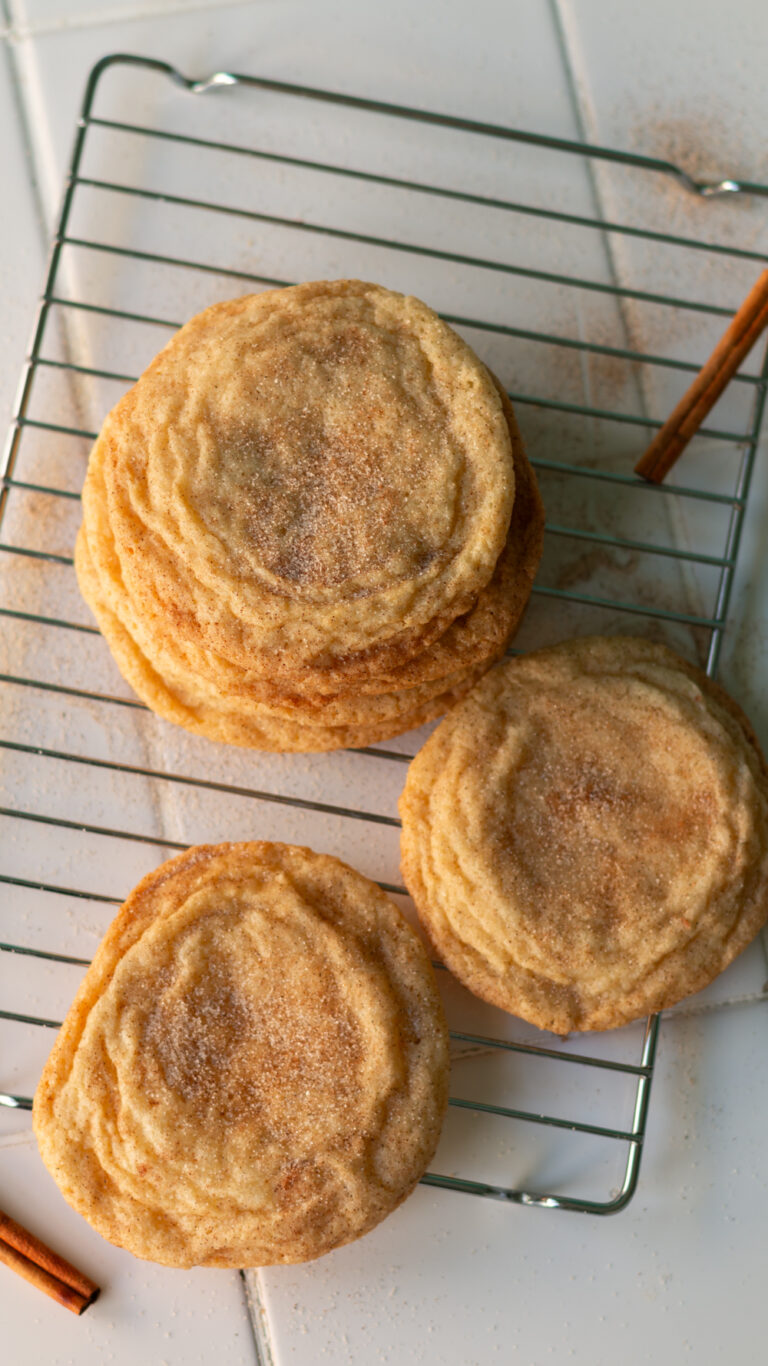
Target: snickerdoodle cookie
{"points": [[312, 497], [586, 834], [254, 1069], [304, 474]]}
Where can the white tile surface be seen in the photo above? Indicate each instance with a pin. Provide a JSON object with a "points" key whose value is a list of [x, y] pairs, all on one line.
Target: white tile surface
{"points": [[22, 239], [397, 54], [448, 1279], [37, 16], [675, 83]]}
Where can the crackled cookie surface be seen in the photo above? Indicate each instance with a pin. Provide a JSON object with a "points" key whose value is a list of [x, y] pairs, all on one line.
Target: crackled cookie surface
{"points": [[254, 1069], [304, 475], [586, 834], [207, 693]]}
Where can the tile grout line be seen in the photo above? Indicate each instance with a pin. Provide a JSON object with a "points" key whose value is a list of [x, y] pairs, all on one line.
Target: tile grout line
{"points": [[584, 117], [575, 106], [581, 109], [586, 120], [20, 28], [45, 181], [257, 1316], [25, 130]]}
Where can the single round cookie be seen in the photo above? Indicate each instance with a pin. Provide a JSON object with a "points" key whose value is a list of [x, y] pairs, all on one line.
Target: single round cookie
{"points": [[306, 475], [255, 1067], [586, 835]]}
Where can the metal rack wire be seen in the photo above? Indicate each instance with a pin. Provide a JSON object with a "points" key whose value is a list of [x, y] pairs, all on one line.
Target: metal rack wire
{"points": [[102, 295]]}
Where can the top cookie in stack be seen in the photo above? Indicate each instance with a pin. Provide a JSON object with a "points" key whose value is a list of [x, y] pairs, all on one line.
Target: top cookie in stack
{"points": [[311, 523]]}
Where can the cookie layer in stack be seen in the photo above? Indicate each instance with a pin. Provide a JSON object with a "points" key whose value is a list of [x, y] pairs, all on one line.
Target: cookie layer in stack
{"points": [[311, 523]]}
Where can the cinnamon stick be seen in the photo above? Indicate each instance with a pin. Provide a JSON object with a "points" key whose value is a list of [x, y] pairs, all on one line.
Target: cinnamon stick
{"points": [[32, 1259], [733, 348]]}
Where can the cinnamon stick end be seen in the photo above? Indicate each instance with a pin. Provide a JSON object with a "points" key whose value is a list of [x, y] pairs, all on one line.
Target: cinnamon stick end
{"points": [[653, 474], [89, 1300]]}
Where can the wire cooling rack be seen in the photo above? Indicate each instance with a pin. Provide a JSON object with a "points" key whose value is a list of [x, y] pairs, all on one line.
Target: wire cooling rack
{"points": [[595, 326]]}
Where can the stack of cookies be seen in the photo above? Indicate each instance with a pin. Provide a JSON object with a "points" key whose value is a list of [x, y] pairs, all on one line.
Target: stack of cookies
{"points": [[311, 523]]}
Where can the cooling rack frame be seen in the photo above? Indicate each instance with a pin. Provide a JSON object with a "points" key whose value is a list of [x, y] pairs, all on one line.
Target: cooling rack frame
{"points": [[724, 564]]}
